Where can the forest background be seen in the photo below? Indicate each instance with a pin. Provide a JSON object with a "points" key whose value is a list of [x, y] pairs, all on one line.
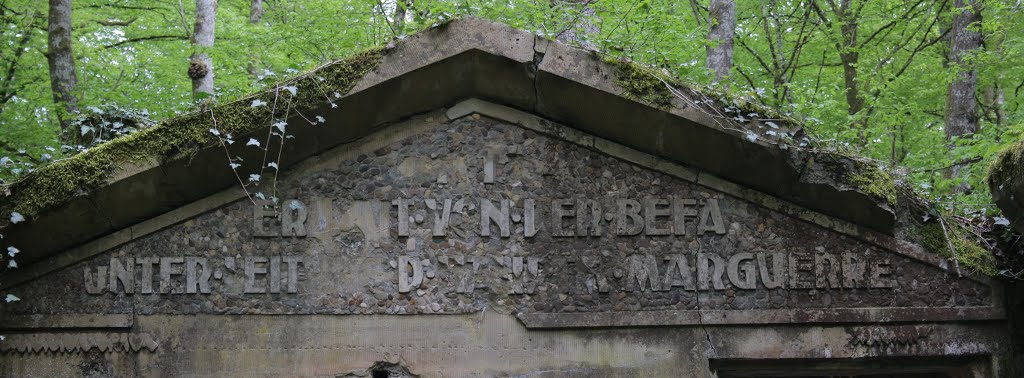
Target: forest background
{"points": [[931, 90]]}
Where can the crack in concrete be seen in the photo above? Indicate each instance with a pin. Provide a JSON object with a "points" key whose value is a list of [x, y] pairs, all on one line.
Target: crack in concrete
{"points": [[534, 68], [703, 327]]}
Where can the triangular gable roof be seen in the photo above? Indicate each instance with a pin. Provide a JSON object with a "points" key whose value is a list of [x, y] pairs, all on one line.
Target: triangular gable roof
{"points": [[114, 188]]}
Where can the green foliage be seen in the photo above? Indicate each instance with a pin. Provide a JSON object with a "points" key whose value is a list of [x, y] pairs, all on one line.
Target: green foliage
{"points": [[132, 54], [182, 136]]}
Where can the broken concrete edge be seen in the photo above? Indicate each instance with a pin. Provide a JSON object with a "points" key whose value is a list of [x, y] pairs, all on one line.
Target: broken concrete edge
{"points": [[746, 317], [184, 137], [420, 123]]}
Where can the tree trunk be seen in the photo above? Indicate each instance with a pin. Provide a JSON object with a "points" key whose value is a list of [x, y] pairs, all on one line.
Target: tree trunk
{"points": [[961, 108], [582, 25], [63, 80], [256, 11], [200, 68], [402, 8], [850, 58], [720, 35]]}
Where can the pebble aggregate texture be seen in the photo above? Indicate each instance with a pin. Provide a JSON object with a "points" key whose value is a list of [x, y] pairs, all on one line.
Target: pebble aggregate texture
{"points": [[347, 269]]}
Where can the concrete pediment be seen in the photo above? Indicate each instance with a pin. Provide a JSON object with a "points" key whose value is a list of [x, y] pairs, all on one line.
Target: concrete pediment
{"points": [[493, 184]]}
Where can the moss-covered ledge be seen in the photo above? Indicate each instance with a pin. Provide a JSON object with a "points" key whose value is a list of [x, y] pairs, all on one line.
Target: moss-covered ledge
{"points": [[182, 136], [1006, 182]]}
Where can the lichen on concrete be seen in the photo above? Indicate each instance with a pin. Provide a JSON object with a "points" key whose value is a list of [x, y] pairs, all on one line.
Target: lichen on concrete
{"points": [[181, 136]]}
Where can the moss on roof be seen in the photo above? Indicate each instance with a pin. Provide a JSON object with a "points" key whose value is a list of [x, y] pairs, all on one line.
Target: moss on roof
{"points": [[57, 183]]}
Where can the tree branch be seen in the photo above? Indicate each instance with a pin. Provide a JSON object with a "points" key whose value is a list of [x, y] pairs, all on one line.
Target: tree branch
{"points": [[147, 38]]}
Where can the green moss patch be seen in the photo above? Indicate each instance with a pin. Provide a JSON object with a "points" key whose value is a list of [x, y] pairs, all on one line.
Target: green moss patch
{"points": [[1006, 165], [182, 136], [641, 84], [873, 181], [971, 256]]}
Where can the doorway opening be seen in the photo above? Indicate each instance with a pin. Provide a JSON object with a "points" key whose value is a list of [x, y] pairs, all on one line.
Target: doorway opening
{"points": [[910, 367]]}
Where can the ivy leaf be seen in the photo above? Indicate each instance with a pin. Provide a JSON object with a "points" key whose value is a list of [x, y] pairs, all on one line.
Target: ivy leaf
{"points": [[280, 125], [86, 129], [253, 142], [291, 89], [320, 119], [294, 205], [260, 195], [11, 264], [234, 166], [214, 132], [11, 251], [254, 177], [11, 298], [272, 165], [258, 102], [751, 136], [16, 217], [771, 124], [1002, 221]]}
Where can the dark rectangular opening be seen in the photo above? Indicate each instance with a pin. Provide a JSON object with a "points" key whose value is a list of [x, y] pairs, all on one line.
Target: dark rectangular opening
{"points": [[909, 367]]}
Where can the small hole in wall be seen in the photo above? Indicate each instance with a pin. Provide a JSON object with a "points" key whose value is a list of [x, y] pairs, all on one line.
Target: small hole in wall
{"points": [[380, 373]]}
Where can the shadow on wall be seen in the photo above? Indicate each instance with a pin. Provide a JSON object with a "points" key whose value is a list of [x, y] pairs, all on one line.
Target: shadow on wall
{"points": [[382, 369]]}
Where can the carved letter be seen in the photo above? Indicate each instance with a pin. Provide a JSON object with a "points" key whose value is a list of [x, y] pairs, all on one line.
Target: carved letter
{"points": [[147, 263], [853, 271], [710, 212], [881, 275], [489, 213], [683, 210], [442, 216], [826, 271], [518, 268], [584, 221], [293, 272], [293, 218], [275, 274], [251, 270], [529, 218], [167, 269], [263, 210], [800, 262], [678, 263], [654, 208], [561, 209], [778, 266], [703, 271], [628, 220], [743, 261], [642, 268], [197, 274], [407, 282], [96, 284], [403, 216], [124, 273]]}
